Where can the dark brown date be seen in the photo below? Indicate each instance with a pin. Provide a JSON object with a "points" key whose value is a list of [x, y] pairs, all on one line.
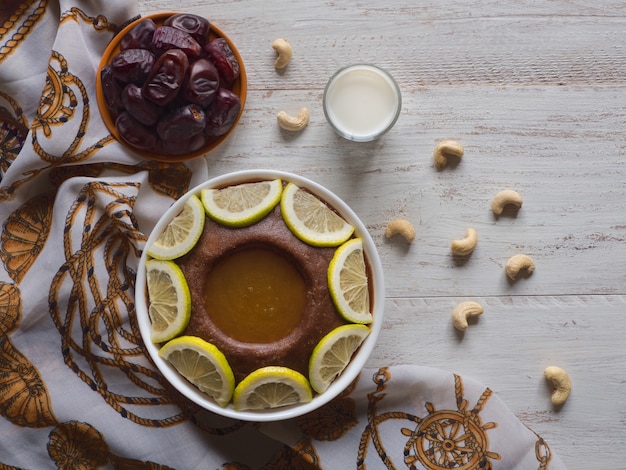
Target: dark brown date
{"points": [[219, 52], [196, 26], [222, 112], [166, 77], [202, 83], [145, 111], [169, 88], [135, 133], [166, 38], [132, 65], [182, 124], [186, 146], [140, 36], [111, 89]]}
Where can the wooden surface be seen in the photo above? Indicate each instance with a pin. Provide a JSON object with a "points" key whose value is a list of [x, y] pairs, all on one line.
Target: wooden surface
{"points": [[536, 92]]}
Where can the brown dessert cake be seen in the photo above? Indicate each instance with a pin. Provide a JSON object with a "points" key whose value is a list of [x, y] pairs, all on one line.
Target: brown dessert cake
{"points": [[297, 311]]}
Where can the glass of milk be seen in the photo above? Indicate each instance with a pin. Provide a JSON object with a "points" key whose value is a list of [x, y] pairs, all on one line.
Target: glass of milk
{"points": [[362, 102]]}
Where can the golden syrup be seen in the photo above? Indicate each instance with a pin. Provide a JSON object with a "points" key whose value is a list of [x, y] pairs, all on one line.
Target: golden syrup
{"points": [[255, 295]]}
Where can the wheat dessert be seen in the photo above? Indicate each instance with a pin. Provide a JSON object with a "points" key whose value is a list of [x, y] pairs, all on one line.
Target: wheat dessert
{"points": [[259, 293], [254, 333]]}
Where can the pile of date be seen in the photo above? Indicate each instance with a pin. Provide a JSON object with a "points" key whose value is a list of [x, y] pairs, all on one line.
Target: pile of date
{"points": [[169, 87]]}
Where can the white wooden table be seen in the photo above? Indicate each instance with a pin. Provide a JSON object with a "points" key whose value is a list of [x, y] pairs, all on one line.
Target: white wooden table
{"points": [[536, 92]]}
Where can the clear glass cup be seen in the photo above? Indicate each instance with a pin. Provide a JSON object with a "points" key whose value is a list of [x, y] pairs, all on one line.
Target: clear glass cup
{"points": [[362, 102]]}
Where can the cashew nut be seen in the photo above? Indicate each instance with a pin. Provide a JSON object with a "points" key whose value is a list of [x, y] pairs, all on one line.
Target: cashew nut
{"points": [[466, 245], [402, 227], [517, 263], [445, 149], [284, 50], [463, 311], [505, 198], [561, 382], [293, 123]]}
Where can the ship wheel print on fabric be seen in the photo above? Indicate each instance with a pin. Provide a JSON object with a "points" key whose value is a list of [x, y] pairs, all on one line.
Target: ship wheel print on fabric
{"points": [[451, 438], [443, 439]]}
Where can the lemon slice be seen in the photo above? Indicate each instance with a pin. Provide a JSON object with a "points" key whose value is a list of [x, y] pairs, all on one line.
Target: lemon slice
{"points": [[169, 299], [311, 220], [348, 284], [182, 233], [271, 387], [202, 364], [333, 353], [242, 204]]}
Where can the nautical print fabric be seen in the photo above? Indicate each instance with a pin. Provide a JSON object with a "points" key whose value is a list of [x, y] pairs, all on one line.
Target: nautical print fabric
{"points": [[77, 390]]}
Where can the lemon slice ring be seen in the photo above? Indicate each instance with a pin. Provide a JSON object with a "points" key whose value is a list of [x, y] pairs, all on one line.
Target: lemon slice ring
{"points": [[348, 282], [311, 219], [202, 364], [182, 233], [271, 387], [242, 204], [333, 354], [170, 301]]}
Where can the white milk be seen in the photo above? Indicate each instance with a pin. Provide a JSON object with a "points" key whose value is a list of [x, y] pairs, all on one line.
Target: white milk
{"points": [[362, 102]]}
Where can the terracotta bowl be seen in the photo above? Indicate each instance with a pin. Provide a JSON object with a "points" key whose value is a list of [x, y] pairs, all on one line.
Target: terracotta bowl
{"points": [[353, 369], [239, 87]]}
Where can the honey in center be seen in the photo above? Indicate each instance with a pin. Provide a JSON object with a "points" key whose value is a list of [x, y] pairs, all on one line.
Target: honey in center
{"points": [[255, 295]]}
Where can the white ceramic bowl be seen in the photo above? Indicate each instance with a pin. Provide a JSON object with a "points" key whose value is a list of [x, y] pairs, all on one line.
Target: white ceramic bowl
{"points": [[360, 358]]}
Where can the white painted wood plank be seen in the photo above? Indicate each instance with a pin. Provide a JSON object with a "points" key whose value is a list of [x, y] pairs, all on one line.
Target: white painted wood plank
{"points": [[437, 44], [508, 348], [573, 221], [535, 91]]}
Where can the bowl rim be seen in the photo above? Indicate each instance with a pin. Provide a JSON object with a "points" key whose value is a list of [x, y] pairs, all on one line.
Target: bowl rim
{"points": [[241, 84], [353, 369]]}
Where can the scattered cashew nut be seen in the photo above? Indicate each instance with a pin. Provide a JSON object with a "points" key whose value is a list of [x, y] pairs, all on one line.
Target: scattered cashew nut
{"points": [[402, 227], [463, 311], [466, 245], [284, 50], [561, 382], [293, 123], [508, 197], [518, 263], [445, 149]]}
